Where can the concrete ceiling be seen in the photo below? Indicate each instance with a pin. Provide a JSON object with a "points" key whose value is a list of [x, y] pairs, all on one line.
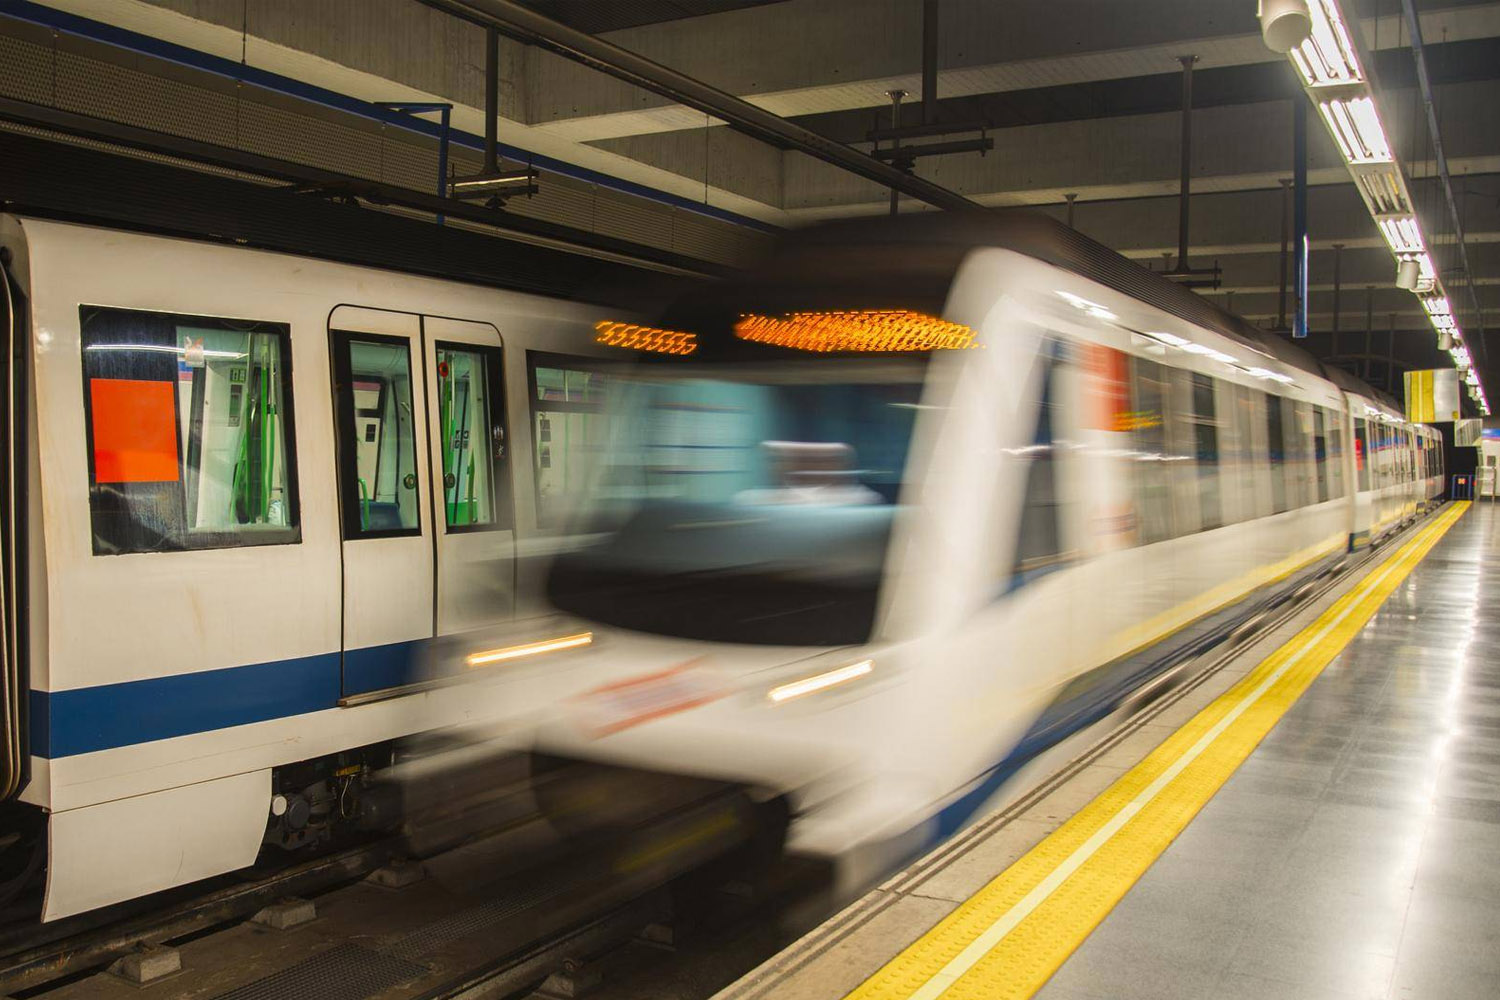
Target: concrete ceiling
{"points": [[1081, 98]]}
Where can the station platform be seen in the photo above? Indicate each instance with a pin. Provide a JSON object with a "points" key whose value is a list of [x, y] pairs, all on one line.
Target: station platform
{"points": [[1318, 818]]}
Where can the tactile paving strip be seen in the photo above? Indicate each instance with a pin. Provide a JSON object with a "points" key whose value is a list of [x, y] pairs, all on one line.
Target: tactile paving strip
{"points": [[1009, 938], [344, 972]]}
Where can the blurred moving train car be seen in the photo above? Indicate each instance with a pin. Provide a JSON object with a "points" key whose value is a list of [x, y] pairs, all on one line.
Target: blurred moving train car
{"points": [[248, 488], [931, 495]]}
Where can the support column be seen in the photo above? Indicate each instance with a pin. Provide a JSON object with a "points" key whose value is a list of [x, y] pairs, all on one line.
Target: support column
{"points": [[929, 60], [895, 96], [1286, 237], [1187, 160], [1299, 213], [491, 101], [1338, 252]]}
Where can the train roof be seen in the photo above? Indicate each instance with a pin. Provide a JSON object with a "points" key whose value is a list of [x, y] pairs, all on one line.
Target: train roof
{"points": [[937, 244]]}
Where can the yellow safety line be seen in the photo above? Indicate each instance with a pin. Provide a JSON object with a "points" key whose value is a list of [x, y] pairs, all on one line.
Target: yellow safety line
{"points": [[1011, 936]]}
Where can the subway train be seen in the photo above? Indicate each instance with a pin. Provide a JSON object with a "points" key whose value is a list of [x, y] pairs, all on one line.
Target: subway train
{"points": [[927, 496], [243, 490]]}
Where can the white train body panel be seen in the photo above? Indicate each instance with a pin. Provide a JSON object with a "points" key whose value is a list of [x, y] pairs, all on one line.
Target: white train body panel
{"points": [[966, 663], [169, 685], [134, 656]]}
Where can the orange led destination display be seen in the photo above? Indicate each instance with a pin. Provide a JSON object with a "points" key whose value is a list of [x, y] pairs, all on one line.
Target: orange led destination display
{"points": [[644, 338], [865, 330], [135, 430]]}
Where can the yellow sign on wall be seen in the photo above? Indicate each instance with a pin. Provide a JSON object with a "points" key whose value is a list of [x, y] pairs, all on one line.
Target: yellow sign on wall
{"points": [[1432, 395]]}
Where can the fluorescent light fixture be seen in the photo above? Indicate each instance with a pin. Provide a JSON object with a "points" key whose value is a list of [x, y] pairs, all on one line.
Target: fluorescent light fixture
{"points": [[820, 682], [1356, 128], [1444, 323], [1402, 234], [1437, 305], [503, 181], [528, 649], [1327, 56], [1170, 339]]}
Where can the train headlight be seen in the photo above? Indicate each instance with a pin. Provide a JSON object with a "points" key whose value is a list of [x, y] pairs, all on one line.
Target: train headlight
{"points": [[525, 649], [820, 682]]}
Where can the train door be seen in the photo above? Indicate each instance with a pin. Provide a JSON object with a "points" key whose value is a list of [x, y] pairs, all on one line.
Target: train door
{"points": [[475, 534], [15, 345], [380, 420]]}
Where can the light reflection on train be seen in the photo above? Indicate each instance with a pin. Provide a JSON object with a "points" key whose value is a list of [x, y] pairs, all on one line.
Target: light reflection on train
{"points": [[874, 583]]}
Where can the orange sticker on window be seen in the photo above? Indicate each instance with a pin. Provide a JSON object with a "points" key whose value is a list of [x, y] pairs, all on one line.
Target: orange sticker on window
{"points": [[135, 431], [1109, 388]]}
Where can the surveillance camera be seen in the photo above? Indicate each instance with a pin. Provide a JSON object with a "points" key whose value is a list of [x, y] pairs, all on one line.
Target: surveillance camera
{"points": [[1284, 24]]}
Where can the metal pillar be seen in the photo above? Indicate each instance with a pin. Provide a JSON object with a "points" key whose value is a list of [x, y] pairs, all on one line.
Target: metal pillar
{"points": [[528, 26], [1390, 356], [1338, 252], [445, 113], [1299, 213], [1286, 236], [1072, 199], [1187, 160], [929, 60], [491, 101], [895, 96], [1424, 86]]}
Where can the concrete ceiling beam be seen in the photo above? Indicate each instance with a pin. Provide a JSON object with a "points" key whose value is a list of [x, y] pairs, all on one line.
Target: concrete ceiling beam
{"points": [[808, 57]]}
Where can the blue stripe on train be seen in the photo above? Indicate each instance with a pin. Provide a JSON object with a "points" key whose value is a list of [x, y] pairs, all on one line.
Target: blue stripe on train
{"points": [[82, 720]]}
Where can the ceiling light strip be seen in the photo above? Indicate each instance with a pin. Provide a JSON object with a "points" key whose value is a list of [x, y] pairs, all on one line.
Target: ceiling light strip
{"points": [[1329, 64]]}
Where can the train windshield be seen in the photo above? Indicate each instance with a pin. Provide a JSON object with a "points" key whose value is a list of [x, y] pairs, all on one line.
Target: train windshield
{"points": [[748, 506]]}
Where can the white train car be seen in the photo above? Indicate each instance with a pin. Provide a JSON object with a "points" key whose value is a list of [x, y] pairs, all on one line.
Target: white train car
{"points": [[249, 489], [876, 581]]}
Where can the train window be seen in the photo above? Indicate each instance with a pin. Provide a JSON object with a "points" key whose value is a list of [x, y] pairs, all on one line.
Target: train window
{"points": [[189, 431], [471, 415], [1320, 451], [376, 435], [566, 427], [1039, 542], [1299, 454], [1362, 454], [1205, 451], [1276, 447], [1245, 499], [1334, 422], [1153, 494]]}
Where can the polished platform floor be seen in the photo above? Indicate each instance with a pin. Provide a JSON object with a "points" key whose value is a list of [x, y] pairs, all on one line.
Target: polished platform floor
{"points": [[1356, 853]]}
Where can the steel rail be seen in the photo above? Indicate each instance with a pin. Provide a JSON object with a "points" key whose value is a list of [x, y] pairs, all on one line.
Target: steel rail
{"points": [[522, 24], [97, 946]]}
